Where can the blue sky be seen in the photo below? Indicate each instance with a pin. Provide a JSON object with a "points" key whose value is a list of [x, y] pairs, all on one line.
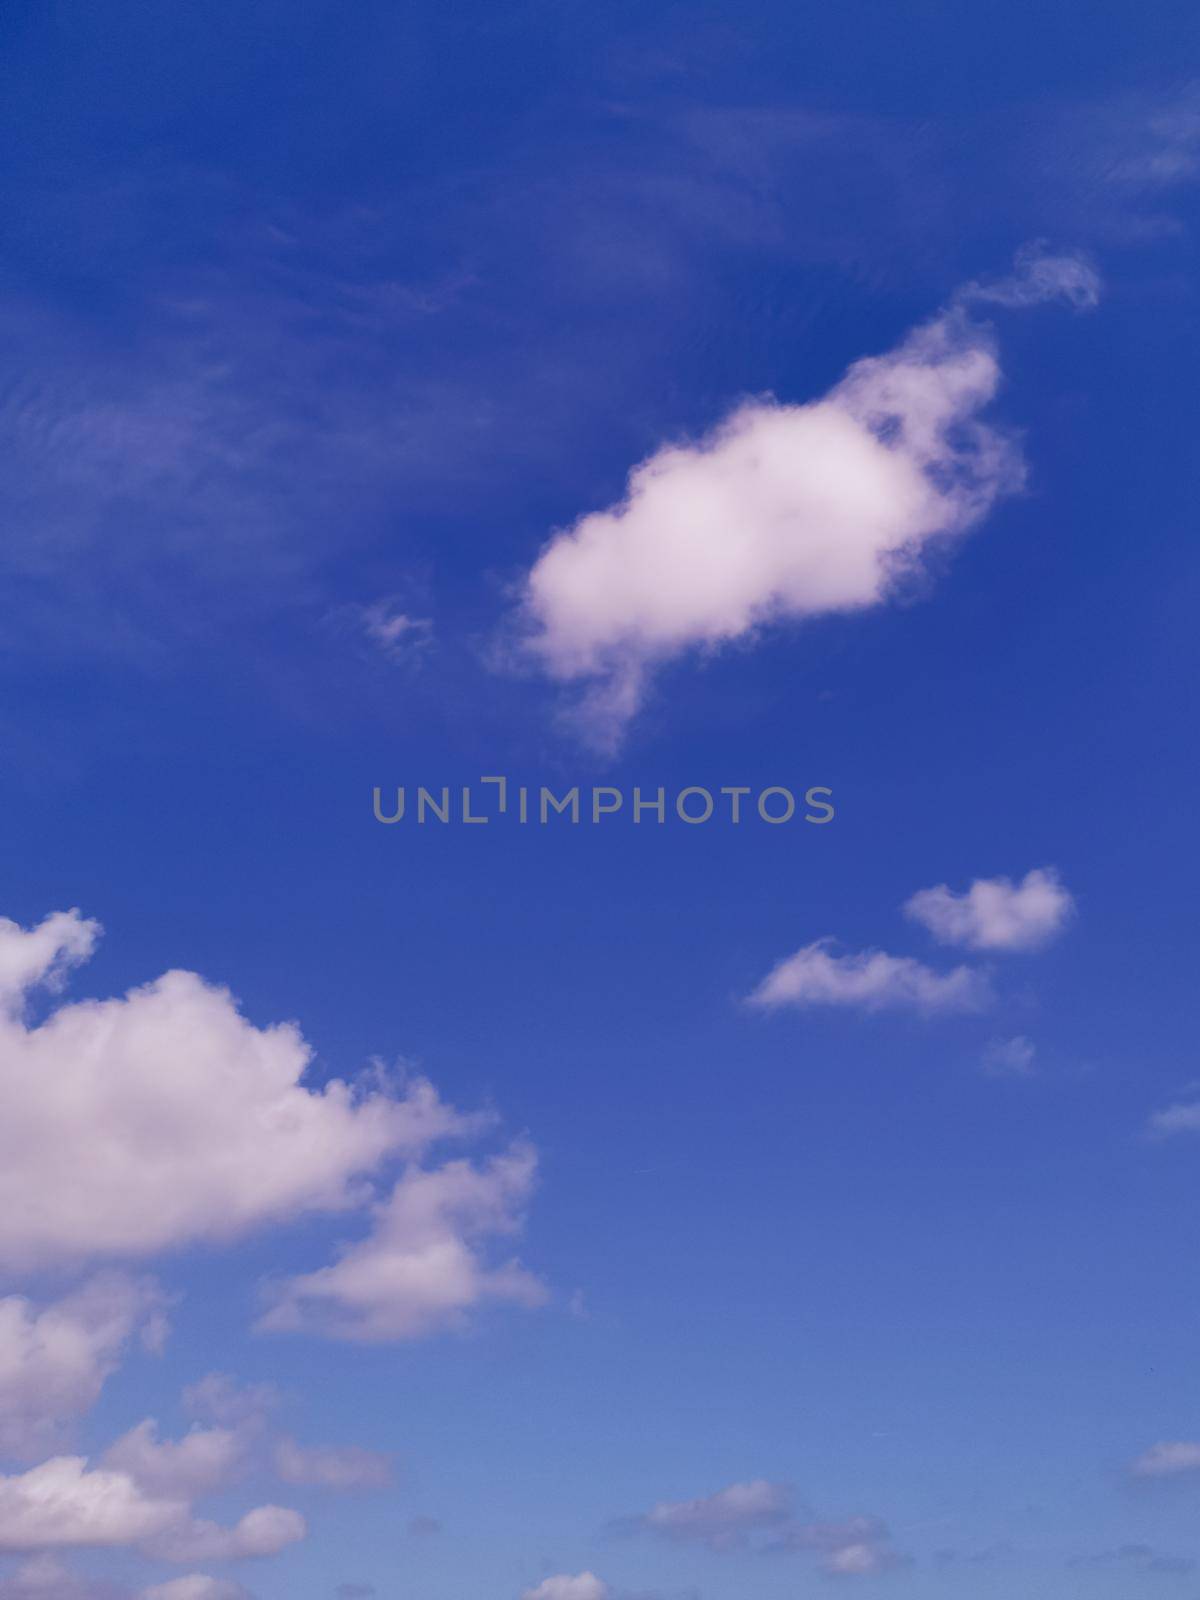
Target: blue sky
{"points": [[631, 1210]]}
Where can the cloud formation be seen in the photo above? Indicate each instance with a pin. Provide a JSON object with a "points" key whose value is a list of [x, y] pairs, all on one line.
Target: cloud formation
{"points": [[1168, 1459], [64, 1504], [783, 512], [995, 913], [423, 1265], [165, 1117], [724, 1519], [762, 1511], [871, 980], [564, 1586], [55, 1360]]}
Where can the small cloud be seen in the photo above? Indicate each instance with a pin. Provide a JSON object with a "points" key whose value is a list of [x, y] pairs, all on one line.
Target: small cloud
{"points": [[390, 627], [355, 1591], [1040, 276], [423, 1527], [583, 1586], [1182, 1117], [720, 1520], [995, 913], [870, 980], [1008, 1058], [1167, 1460]]}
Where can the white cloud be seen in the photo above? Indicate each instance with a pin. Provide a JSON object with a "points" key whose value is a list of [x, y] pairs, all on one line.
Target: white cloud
{"points": [[723, 1519], [582, 1586], [133, 1125], [1167, 1460], [1040, 276], [1183, 1117], [54, 1361], [203, 1460], [43, 954], [860, 1547], [1008, 1058], [869, 979], [422, 1266], [733, 1517], [783, 512], [331, 1466], [195, 1587], [242, 1441], [62, 1504], [995, 913]]}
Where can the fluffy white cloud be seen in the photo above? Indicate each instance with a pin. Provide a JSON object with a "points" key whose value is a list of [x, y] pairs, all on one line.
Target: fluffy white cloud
{"points": [[783, 512], [55, 1360], [43, 954], [564, 1586], [995, 913], [423, 1265], [724, 1519], [62, 1504], [203, 1460], [166, 1117], [871, 979], [241, 1441], [1167, 1460]]}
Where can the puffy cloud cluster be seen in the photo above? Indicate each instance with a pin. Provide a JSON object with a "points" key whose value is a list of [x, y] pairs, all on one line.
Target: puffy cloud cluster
{"points": [[55, 1360], [420, 1268], [64, 1504], [995, 913], [785, 512], [139, 1125], [132, 1125]]}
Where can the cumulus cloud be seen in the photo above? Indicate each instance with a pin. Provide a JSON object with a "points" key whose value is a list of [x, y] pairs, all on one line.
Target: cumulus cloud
{"points": [[424, 1263], [205, 1459], [869, 979], [55, 1360], [1168, 1459], [582, 1586], [136, 1124], [63, 1504], [995, 913], [783, 512], [724, 1519], [241, 1440]]}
